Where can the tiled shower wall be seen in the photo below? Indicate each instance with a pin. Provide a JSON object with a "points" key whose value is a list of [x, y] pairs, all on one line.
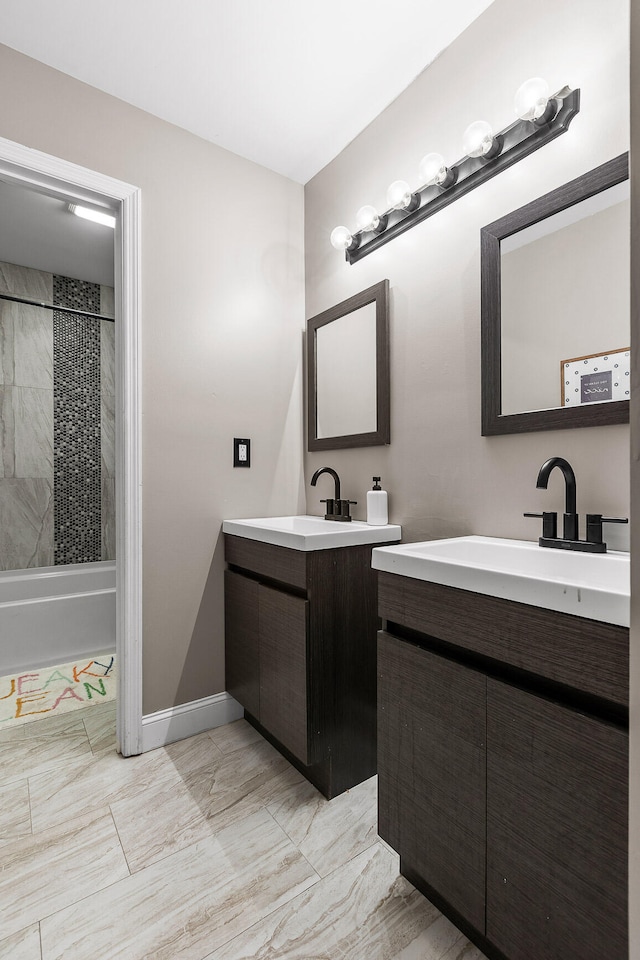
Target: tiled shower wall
{"points": [[57, 464]]}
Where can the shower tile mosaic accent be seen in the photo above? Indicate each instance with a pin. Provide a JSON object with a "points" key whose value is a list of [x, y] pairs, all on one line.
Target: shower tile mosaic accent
{"points": [[57, 458], [76, 442], [77, 294]]}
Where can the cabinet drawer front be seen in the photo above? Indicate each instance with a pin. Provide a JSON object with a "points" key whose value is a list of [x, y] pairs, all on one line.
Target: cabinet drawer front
{"points": [[283, 669], [556, 830], [584, 654], [431, 770], [242, 643], [267, 560]]}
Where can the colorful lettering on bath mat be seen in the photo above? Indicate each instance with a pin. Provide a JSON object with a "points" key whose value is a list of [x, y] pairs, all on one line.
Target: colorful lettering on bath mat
{"points": [[36, 693]]}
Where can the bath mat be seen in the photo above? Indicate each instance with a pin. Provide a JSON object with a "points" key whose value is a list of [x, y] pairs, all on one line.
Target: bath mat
{"points": [[35, 694]]}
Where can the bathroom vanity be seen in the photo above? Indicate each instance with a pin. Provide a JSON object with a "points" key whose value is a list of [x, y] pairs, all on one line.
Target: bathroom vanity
{"points": [[502, 754], [301, 624]]}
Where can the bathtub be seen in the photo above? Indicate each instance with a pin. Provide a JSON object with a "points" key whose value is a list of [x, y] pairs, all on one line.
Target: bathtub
{"points": [[51, 615]]}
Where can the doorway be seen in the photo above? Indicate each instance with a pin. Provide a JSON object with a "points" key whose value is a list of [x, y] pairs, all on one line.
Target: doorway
{"points": [[74, 184]]}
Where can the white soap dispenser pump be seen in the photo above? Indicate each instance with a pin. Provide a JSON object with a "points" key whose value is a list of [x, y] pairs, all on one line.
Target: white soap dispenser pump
{"points": [[377, 505]]}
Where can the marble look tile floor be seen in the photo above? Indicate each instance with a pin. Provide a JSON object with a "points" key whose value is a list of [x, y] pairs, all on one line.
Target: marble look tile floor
{"points": [[213, 848]]}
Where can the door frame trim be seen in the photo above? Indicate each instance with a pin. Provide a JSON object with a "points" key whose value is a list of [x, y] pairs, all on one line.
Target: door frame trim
{"points": [[70, 182]]}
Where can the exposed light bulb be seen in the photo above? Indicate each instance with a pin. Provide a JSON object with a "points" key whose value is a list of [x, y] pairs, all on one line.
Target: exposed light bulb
{"points": [[433, 170], [341, 238], [478, 139], [399, 195], [367, 219], [531, 99], [97, 216]]}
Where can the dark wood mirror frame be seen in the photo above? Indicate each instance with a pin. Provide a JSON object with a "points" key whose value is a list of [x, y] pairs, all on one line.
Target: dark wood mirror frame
{"points": [[378, 294], [494, 423]]}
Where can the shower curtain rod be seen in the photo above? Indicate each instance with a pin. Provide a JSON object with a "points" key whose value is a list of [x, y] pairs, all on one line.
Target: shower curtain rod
{"points": [[50, 306]]}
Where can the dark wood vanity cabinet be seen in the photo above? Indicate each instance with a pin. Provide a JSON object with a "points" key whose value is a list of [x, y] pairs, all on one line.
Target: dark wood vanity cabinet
{"points": [[432, 762], [301, 654], [504, 791], [242, 648], [556, 829], [266, 659]]}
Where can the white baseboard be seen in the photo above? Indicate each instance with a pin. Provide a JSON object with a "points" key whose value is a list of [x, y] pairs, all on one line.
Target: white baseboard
{"points": [[187, 719]]}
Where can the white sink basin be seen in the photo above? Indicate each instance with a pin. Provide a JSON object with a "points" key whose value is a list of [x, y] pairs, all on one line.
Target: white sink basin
{"points": [[311, 533], [589, 585]]}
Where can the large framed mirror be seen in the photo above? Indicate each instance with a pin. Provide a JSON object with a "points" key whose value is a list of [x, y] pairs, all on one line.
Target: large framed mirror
{"points": [[555, 279], [348, 372]]}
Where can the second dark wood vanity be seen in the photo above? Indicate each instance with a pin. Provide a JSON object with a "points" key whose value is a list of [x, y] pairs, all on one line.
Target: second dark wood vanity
{"points": [[503, 771]]}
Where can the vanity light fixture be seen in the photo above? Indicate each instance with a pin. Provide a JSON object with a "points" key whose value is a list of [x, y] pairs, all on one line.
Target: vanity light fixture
{"points": [[541, 118], [342, 239], [532, 102], [97, 216], [400, 197], [369, 221], [478, 141], [433, 170]]}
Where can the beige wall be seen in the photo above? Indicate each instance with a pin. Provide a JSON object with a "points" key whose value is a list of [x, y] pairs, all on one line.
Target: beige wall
{"points": [[634, 723], [222, 289], [443, 478]]}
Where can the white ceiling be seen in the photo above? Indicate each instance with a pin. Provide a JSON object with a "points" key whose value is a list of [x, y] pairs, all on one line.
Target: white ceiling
{"points": [[286, 83], [38, 231]]}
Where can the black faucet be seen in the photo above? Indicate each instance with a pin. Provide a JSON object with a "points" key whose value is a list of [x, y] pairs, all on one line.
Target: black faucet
{"points": [[569, 539], [337, 509], [570, 520]]}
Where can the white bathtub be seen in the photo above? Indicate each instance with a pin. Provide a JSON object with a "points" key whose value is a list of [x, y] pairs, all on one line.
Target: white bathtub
{"points": [[51, 615]]}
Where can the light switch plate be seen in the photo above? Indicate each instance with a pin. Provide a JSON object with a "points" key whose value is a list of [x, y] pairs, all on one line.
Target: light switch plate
{"points": [[241, 452]]}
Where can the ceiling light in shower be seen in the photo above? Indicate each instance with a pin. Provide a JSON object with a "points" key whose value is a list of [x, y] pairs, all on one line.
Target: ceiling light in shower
{"points": [[97, 216]]}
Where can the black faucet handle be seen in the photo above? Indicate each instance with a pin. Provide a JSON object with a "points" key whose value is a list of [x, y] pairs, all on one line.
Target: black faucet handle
{"points": [[594, 525], [342, 508], [549, 523]]}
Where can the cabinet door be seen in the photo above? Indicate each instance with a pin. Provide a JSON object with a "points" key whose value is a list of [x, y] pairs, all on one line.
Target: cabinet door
{"points": [[431, 770], [242, 646], [283, 669], [556, 830]]}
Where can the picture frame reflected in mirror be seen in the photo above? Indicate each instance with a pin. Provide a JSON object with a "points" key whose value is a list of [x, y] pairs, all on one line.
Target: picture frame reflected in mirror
{"points": [[596, 378]]}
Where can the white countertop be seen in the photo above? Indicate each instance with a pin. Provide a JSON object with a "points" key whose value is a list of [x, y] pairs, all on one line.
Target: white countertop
{"points": [[591, 585], [311, 533]]}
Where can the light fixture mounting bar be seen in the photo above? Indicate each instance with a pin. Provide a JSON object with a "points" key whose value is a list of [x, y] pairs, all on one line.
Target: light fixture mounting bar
{"points": [[518, 140]]}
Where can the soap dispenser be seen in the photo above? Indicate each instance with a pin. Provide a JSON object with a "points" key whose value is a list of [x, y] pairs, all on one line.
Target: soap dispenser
{"points": [[377, 505]]}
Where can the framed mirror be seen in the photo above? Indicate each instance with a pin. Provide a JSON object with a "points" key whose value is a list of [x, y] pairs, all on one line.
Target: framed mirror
{"points": [[555, 279], [348, 372]]}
